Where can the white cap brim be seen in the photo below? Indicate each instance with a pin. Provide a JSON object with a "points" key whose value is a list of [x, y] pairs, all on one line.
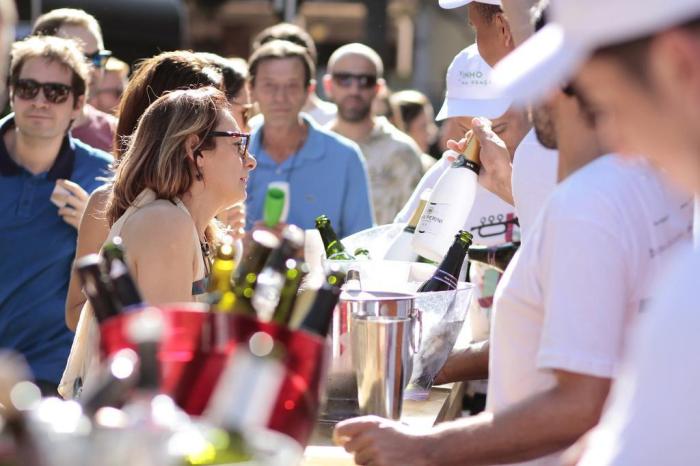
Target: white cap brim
{"points": [[489, 108], [450, 4], [545, 61]]}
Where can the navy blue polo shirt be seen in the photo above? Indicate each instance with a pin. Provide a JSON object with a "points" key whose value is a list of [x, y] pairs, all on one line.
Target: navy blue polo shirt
{"points": [[36, 252]]}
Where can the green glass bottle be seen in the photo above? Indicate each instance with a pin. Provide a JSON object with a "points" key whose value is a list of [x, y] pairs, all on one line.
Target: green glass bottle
{"points": [[288, 295], [334, 248], [497, 257], [262, 243], [221, 296], [446, 276]]}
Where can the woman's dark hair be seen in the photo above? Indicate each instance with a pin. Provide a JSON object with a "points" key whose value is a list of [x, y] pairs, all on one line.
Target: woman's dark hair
{"points": [[153, 77], [234, 72], [406, 106]]}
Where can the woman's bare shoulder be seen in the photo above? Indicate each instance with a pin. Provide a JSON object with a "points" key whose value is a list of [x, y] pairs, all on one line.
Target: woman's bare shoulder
{"points": [[161, 220]]}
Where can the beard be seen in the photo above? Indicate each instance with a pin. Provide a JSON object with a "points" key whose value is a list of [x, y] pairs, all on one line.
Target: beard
{"points": [[354, 113], [544, 127]]}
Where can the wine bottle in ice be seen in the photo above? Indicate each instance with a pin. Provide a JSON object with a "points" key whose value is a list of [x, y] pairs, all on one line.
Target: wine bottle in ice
{"points": [[446, 276]]}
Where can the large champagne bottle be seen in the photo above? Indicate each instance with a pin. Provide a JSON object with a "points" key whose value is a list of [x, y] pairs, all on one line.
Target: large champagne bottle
{"points": [[97, 286], [261, 244], [497, 257], [334, 248], [279, 266], [446, 276], [221, 296], [401, 248], [450, 203]]}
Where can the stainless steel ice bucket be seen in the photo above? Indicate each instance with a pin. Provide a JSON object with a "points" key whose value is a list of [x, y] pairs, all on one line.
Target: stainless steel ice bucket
{"points": [[342, 402]]}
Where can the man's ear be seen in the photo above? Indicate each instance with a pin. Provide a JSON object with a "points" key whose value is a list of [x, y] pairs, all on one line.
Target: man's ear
{"points": [[380, 86], [78, 106], [312, 86], [328, 86], [506, 33]]}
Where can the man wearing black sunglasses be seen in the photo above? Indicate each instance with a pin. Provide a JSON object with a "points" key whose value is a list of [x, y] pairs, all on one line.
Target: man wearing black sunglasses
{"points": [[92, 126], [45, 176], [393, 159]]}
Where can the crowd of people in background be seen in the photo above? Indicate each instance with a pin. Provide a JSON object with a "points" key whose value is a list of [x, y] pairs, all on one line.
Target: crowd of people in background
{"points": [[589, 158]]}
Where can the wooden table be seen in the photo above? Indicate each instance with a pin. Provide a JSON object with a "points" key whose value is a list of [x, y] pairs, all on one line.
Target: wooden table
{"points": [[443, 404]]}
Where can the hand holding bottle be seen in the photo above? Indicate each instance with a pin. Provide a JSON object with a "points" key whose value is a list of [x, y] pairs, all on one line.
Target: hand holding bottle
{"points": [[496, 161]]}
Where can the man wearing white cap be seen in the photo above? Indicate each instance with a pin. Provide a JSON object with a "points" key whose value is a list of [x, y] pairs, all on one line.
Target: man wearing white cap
{"points": [[561, 311], [643, 79], [526, 178], [492, 220]]}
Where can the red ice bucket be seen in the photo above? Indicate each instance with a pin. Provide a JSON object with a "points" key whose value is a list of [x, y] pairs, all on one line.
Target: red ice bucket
{"points": [[197, 344]]}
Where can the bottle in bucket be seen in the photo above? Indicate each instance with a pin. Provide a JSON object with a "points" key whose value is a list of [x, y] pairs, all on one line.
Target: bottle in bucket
{"points": [[446, 276], [450, 203], [401, 249], [335, 250], [97, 286], [221, 296], [262, 243]]}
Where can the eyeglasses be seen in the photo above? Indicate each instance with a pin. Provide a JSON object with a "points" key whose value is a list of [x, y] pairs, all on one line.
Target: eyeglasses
{"points": [[98, 58], [242, 143], [364, 81], [28, 89]]}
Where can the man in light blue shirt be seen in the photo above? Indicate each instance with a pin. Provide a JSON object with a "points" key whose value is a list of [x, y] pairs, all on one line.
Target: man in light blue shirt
{"points": [[326, 173]]}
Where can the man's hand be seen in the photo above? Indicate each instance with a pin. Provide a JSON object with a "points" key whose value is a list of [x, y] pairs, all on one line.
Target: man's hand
{"points": [[381, 442], [234, 217], [496, 162], [71, 200]]}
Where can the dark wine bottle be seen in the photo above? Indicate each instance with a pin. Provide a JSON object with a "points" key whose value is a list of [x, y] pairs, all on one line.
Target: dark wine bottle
{"points": [[97, 286], [320, 315], [497, 257], [114, 382], [113, 249], [279, 266], [335, 250], [446, 276], [262, 243]]}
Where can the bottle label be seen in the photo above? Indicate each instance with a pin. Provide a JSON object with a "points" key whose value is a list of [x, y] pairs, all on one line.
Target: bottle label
{"points": [[433, 216], [446, 278]]}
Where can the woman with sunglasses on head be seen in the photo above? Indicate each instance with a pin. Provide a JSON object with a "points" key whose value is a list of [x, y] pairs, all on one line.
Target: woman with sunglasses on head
{"points": [[153, 77], [186, 162]]}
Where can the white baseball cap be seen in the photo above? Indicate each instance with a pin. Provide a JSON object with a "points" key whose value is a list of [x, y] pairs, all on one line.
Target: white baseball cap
{"points": [[575, 29], [469, 90], [449, 4]]}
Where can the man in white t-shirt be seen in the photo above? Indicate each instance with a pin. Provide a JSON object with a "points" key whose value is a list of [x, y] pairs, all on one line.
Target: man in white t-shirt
{"points": [[562, 310], [643, 68]]}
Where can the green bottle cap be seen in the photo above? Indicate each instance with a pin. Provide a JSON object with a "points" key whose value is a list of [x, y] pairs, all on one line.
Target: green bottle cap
{"points": [[273, 207]]}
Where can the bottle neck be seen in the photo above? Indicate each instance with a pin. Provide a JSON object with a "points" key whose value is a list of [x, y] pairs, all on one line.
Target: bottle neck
{"points": [[330, 239], [452, 263]]}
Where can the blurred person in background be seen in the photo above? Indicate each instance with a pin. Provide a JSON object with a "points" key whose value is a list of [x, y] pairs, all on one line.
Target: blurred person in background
{"points": [[325, 172], [639, 71], [110, 87], [413, 114], [560, 320], [153, 77], [8, 19], [321, 111], [43, 173], [393, 160], [93, 126], [235, 75]]}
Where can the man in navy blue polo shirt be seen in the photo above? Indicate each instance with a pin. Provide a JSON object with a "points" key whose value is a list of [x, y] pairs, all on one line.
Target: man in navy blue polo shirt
{"points": [[325, 172], [37, 235]]}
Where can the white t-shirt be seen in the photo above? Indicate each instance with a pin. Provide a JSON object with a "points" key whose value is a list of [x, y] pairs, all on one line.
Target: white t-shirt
{"points": [[580, 278], [644, 424], [534, 178]]}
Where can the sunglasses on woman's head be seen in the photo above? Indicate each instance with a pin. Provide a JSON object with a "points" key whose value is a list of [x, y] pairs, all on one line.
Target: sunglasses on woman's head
{"points": [[364, 81], [28, 89], [241, 144]]}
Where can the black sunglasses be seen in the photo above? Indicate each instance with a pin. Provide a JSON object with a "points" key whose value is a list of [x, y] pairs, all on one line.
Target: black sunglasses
{"points": [[364, 81], [28, 89], [98, 58], [242, 144]]}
